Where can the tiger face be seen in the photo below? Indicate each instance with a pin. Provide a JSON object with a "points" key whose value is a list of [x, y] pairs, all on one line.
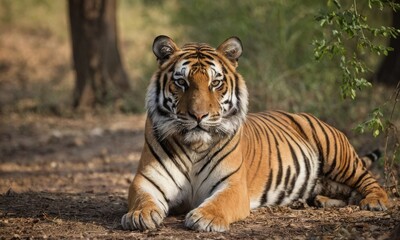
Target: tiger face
{"points": [[196, 92]]}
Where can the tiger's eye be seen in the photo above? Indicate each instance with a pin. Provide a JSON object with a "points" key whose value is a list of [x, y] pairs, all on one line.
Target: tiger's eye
{"points": [[216, 83], [181, 82]]}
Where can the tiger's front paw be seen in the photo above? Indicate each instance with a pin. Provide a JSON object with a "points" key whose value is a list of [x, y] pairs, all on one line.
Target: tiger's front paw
{"points": [[143, 219], [203, 220], [373, 204]]}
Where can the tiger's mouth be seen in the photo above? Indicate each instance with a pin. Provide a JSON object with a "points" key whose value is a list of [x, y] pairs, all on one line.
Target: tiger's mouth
{"points": [[197, 128]]}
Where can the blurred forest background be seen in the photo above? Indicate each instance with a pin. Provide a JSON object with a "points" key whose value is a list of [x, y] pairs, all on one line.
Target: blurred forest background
{"points": [[36, 69]]}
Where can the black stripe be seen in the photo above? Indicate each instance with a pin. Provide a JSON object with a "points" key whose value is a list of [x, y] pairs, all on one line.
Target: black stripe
{"points": [[360, 179], [209, 62], [231, 93], [334, 160], [351, 175], [263, 130], [155, 185], [212, 53], [210, 58], [306, 182], [353, 172], [166, 148], [210, 158], [267, 186], [224, 178], [342, 171], [302, 132], [364, 164], [153, 152], [219, 161], [328, 144], [287, 177], [256, 135], [250, 136], [318, 143], [295, 159], [289, 190], [313, 184], [165, 79], [282, 126], [283, 192], [237, 90], [165, 207], [346, 155], [364, 188], [372, 189], [162, 112], [152, 218], [171, 68], [183, 150], [280, 198], [280, 168], [270, 178], [297, 168], [337, 159], [158, 87], [369, 177], [194, 56], [165, 104], [223, 67]]}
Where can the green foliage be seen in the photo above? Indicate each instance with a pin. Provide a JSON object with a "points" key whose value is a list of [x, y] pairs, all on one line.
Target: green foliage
{"points": [[375, 124], [349, 35]]}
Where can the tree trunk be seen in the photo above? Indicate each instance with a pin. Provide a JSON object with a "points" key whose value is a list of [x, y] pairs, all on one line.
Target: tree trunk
{"points": [[100, 76], [389, 70]]}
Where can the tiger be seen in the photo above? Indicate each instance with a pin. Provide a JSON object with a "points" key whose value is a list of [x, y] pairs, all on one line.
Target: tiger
{"points": [[205, 156]]}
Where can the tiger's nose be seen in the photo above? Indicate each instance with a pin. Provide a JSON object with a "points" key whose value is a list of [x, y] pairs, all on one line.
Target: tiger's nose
{"points": [[198, 115]]}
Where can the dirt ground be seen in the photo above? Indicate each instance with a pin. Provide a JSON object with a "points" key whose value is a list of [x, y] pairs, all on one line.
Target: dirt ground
{"points": [[68, 178]]}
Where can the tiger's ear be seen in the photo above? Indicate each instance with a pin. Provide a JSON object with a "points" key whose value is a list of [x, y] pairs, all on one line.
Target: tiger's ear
{"points": [[232, 49], [163, 48]]}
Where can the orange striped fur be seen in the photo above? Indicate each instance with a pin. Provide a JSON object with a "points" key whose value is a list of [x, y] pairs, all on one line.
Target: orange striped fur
{"points": [[205, 157]]}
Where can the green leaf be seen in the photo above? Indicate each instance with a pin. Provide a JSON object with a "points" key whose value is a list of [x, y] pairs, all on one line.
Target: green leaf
{"points": [[348, 41], [376, 133]]}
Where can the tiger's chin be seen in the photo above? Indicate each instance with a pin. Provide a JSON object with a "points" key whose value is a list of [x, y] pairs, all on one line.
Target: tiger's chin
{"points": [[206, 135], [197, 137]]}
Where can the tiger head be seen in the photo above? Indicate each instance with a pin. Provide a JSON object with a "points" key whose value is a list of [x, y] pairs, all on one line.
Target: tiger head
{"points": [[196, 93]]}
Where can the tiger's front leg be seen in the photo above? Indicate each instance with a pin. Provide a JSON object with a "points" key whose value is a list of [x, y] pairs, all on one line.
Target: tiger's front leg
{"points": [[149, 193], [144, 211], [228, 203], [219, 210]]}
